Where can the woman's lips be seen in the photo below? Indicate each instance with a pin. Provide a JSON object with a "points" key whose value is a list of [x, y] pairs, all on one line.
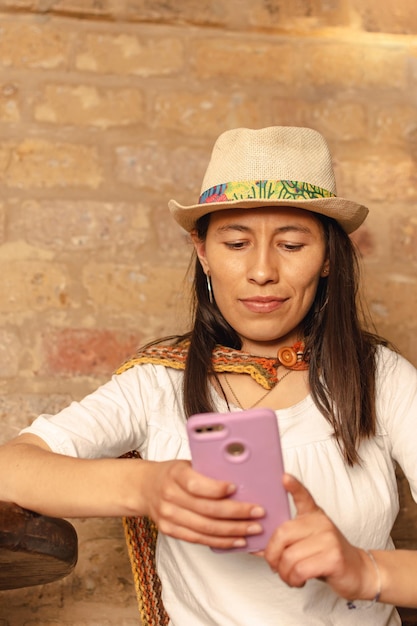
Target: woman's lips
{"points": [[263, 304]]}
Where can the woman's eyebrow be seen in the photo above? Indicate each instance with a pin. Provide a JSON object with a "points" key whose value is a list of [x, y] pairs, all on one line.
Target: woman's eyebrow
{"points": [[281, 229], [300, 228], [227, 227]]}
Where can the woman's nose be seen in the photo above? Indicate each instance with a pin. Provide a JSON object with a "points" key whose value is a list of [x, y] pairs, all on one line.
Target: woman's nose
{"points": [[264, 268]]}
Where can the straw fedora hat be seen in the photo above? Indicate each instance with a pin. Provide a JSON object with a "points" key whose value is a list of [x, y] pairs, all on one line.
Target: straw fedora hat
{"points": [[275, 166]]}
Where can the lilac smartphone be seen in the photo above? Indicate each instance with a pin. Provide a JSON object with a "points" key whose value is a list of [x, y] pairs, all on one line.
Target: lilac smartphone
{"points": [[244, 448]]}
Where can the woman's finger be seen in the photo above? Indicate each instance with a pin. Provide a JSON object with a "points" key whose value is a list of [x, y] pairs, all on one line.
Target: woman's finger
{"points": [[303, 500], [192, 527]]}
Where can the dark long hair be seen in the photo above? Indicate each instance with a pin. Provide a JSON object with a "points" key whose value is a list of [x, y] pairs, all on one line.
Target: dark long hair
{"points": [[340, 349]]}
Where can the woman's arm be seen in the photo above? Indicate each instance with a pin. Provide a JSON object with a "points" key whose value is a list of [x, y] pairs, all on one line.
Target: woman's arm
{"points": [[53, 484], [310, 546], [183, 503]]}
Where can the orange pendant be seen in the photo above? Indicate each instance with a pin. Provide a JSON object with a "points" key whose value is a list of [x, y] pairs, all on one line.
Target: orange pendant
{"points": [[292, 357], [287, 356]]}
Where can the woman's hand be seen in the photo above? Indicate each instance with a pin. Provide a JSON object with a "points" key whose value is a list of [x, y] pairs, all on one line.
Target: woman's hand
{"points": [[310, 546], [195, 508]]}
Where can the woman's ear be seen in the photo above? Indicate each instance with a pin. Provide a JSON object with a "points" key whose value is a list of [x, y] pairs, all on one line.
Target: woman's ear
{"points": [[200, 248], [325, 269]]}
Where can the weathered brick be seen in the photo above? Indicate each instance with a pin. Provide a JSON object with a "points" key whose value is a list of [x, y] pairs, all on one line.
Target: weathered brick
{"points": [[19, 410], [9, 103], [4, 157], [39, 163], [86, 352], [363, 239], [149, 289], [30, 5], [394, 124], [256, 60], [389, 293], [281, 14], [412, 60], [360, 66], [152, 165], [404, 238], [81, 8], [104, 570], [284, 110], [26, 45], [32, 285], [2, 222], [10, 353], [172, 240], [75, 225], [206, 114], [389, 16], [107, 53], [379, 179], [336, 119], [207, 12], [84, 105]]}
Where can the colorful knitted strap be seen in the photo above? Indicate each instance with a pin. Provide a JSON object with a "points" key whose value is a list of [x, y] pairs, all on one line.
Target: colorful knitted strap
{"points": [[141, 535], [261, 369]]}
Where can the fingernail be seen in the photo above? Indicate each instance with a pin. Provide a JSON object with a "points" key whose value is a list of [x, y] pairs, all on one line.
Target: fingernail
{"points": [[231, 489], [239, 543], [254, 529], [257, 511]]}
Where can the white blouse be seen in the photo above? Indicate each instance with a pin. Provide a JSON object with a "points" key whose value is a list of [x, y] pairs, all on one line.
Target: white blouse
{"points": [[142, 409]]}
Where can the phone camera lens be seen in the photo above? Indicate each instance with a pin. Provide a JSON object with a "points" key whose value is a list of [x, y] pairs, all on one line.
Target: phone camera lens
{"points": [[235, 449]]}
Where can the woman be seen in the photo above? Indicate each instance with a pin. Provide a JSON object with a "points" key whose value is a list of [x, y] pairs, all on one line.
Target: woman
{"points": [[275, 275]]}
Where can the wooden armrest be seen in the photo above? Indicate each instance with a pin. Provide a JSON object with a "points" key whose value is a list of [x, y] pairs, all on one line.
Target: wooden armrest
{"points": [[34, 549]]}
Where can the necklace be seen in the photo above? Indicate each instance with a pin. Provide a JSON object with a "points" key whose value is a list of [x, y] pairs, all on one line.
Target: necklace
{"points": [[292, 358], [262, 396]]}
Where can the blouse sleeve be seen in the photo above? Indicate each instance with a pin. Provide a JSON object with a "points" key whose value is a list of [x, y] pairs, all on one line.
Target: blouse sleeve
{"points": [[108, 422], [396, 404]]}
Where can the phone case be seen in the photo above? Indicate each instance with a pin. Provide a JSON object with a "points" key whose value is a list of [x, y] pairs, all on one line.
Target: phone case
{"points": [[244, 448]]}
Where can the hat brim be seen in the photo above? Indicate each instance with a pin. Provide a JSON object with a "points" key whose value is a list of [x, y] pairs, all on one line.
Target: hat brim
{"points": [[347, 213]]}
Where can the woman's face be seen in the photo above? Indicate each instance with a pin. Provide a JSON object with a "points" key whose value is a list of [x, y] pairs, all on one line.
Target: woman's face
{"points": [[265, 265]]}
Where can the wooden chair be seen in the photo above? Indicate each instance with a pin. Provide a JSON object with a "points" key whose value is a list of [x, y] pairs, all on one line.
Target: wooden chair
{"points": [[408, 616], [34, 549]]}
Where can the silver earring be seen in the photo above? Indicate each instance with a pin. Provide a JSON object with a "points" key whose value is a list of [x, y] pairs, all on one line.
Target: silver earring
{"points": [[323, 306], [209, 288]]}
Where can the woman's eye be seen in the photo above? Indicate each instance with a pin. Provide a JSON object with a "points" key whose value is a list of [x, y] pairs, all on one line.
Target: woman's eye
{"points": [[235, 245], [292, 247]]}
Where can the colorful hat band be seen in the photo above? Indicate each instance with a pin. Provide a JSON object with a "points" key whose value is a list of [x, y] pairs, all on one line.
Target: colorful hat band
{"points": [[263, 190]]}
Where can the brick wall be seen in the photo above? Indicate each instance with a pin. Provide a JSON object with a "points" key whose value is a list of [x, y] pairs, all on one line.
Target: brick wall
{"points": [[108, 109]]}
